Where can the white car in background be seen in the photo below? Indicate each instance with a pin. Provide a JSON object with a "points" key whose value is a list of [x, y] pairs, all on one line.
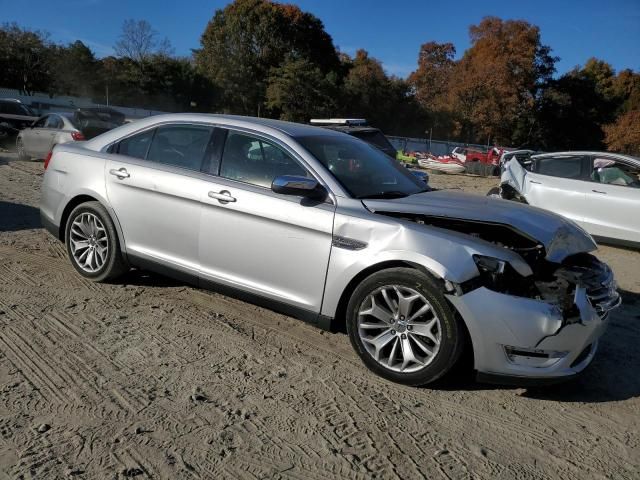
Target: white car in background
{"points": [[599, 191]]}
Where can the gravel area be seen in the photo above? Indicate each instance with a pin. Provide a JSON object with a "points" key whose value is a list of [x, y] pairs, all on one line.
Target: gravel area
{"points": [[151, 378]]}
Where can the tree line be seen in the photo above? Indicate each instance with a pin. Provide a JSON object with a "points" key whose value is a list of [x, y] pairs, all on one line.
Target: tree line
{"points": [[261, 58]]}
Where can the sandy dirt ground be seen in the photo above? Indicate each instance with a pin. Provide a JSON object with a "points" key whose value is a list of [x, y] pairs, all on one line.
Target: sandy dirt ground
{"points": [[149, 378]]}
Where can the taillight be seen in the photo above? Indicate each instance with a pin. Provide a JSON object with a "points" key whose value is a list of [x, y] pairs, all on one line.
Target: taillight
{"points": [[77, 136], [48, 159]]}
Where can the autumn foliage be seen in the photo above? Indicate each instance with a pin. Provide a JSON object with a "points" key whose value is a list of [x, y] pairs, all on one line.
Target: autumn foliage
{"points": [[263, 58]]}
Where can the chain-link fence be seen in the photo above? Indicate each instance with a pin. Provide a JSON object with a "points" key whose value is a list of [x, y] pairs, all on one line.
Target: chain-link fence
{"points": [[436, 147]]}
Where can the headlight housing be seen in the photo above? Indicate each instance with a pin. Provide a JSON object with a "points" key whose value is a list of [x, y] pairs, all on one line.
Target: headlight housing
{"points": [[498, 275]]}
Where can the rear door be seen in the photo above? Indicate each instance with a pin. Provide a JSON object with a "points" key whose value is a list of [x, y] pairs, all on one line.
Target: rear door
{"points": [[559, 184], [48, 134], [272, 245], [613, 197], [154, 181]]}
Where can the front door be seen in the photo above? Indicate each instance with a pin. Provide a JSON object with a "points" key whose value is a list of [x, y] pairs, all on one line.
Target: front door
{"points": [[559, 184], [154, 181], [272, 245]]}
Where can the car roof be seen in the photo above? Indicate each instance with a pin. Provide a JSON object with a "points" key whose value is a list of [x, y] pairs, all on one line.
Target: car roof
{"points": [[350, 128], [264, 125], [619, 156]]}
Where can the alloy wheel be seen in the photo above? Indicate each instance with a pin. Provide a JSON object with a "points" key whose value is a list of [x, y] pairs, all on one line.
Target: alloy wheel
{"points": [[89, 242], [399, 328]]}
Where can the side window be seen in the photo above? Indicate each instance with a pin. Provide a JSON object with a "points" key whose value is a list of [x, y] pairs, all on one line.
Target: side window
{"points": [[563, 167], [53, 122], [40, 122], [252, 160], [136, 145], [182, 146], [610, 172]]}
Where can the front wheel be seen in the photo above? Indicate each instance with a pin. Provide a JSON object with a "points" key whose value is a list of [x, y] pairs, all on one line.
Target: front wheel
{"points": [[402, 327], [92, 243], [494, 192]]}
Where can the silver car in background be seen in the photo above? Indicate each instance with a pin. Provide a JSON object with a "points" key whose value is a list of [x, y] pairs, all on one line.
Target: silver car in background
{"points": [[600, 191], [37, 140], [325, 227]]}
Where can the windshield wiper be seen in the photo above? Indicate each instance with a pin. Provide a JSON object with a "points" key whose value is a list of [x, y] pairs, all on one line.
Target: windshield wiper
{"points": [[389, 194]]}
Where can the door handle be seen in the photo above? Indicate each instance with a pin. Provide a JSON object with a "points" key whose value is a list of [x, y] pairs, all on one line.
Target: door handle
{"points": [[120, 173], [533, 181], [598, 191], [223, 196]]}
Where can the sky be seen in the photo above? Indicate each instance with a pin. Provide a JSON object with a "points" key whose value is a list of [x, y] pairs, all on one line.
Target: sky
{"points": [[391, 31]]}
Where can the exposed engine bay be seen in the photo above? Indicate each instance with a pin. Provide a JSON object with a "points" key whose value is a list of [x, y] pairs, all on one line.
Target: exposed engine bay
{"points": [[552, 282]]}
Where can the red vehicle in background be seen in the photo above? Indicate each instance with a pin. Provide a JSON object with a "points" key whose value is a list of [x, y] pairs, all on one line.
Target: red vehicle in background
{"points": [[479, 162]]}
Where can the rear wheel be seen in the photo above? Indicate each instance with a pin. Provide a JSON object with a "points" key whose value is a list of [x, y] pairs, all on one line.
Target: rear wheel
{"points": [[402, 327], [92, 243], [22, 154]]}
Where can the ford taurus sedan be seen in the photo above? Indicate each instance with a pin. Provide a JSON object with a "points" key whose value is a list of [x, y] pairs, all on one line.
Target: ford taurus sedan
{"points": [[322, 226]]}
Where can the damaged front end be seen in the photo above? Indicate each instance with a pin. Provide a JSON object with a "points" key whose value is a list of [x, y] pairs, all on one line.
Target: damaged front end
{"points": [[544, 322]]}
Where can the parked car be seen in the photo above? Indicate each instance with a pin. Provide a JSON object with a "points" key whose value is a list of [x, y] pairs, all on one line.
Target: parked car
{"points": [[53, 129], [357, 127], [325, 227], [14, 116], [600, 191]]}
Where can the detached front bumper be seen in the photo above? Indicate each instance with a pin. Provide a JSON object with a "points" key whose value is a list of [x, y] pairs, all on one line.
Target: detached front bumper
{"points": [[526, 341]]}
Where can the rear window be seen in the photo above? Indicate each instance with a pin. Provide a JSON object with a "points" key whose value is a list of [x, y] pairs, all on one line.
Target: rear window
{"points": [[374, 138]]}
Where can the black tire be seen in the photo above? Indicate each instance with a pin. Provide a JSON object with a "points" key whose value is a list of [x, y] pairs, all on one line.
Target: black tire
{"points": [[452, 336], [494, 192], [20, 148], [115, 264]]}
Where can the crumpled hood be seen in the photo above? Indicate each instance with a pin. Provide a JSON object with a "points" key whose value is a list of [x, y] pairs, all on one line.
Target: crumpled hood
{"points": [[560, 236]]}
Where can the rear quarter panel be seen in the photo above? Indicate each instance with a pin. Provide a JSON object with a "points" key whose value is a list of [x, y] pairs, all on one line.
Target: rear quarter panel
{"points": [[72, 171]]}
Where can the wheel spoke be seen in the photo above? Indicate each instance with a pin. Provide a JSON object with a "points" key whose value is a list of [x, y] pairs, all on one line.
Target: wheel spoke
{"points": [[423, 347], [421, 311], [408, 356], [380, 341], [425, 329], [392, 355], [405, 302], [377, 311], [390, 303], [370, 326]]}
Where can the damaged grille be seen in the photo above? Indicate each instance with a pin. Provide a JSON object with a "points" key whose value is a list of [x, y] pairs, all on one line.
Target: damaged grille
{"points": [[586, 271]]}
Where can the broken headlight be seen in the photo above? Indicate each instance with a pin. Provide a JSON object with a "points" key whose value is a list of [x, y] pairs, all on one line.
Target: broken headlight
{"points": [[498, 275]]}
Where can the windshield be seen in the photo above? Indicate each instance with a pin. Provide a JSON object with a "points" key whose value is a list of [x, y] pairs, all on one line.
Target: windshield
{"points": [[362, 169]]}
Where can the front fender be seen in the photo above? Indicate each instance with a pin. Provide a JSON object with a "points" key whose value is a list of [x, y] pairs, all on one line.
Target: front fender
{"points": [[445, 254]]}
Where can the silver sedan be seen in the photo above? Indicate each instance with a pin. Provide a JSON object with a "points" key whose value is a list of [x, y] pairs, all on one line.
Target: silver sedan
{"points": [[323, 226], [37, 140]]}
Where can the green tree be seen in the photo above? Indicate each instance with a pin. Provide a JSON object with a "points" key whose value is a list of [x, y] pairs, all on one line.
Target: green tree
{"points": [[73, 70], [298, 91], [248, 38], [24, 58]]}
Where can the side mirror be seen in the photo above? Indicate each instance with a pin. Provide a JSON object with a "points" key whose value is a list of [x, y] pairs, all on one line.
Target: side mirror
{"points": [[295, 185]]}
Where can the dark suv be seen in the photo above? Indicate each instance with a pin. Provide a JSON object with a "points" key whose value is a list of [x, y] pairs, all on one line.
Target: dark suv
{"points": [[357, 127], [14, 116]]}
